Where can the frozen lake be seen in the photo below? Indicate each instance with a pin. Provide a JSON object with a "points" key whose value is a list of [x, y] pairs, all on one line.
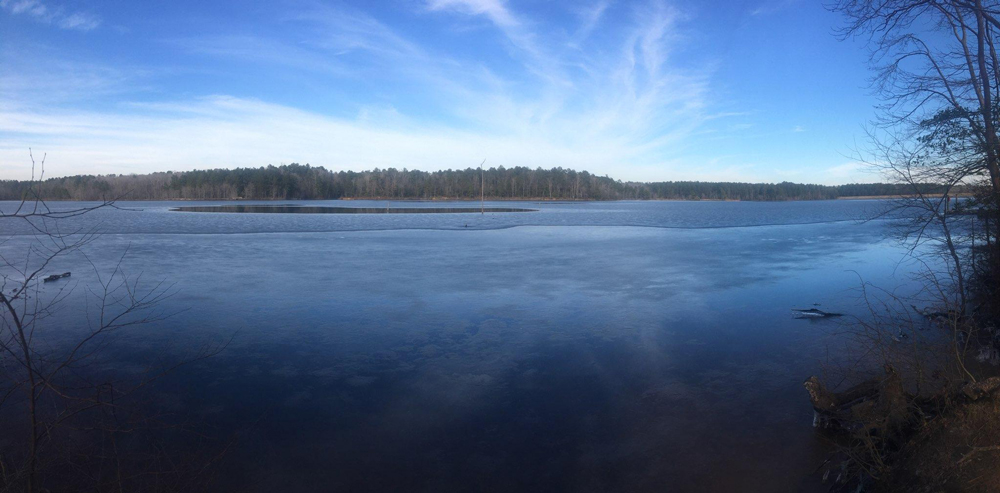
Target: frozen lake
{"points": [[619, 346]]}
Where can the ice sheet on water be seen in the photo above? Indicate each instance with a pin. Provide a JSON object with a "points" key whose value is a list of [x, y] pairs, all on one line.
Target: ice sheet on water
{"points": [[157, 217]]}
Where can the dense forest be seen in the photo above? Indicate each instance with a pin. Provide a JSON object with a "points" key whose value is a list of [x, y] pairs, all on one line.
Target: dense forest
{"points": [[295, 181]]}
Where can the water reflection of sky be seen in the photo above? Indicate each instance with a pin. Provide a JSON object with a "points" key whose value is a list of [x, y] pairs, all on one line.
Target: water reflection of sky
{"points": [[526, 358]]}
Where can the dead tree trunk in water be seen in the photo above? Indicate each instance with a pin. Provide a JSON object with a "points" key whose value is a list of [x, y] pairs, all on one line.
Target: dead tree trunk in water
{"points": [[482, 188]]}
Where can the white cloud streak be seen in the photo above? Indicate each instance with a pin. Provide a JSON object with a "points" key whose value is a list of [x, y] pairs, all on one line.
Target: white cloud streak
{"points": [[850, 172], [495, 10], [225, 132], [79, 21], [58, 16], [772, 6], [590, 17]]}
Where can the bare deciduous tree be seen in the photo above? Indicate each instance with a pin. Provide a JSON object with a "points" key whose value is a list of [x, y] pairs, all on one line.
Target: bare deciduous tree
{"points": [[76, 414], [938, 59], [937, 71]]}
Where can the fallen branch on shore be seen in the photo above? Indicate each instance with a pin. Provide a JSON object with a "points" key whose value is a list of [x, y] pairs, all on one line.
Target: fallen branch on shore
{"points": [[880, 402]]}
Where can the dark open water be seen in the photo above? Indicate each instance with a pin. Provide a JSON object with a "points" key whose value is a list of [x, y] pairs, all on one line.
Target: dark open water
{"points": [[626, 346]]}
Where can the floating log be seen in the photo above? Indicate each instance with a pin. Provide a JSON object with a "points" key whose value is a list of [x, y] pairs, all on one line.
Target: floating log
{"points": [[56, 277], [814, 313]]}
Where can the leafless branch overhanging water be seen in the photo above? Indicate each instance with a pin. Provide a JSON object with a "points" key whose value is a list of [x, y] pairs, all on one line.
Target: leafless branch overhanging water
{"points": [[64, 390]]}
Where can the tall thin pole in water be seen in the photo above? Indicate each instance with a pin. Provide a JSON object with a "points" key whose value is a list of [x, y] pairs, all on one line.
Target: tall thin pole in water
{"points": [[482, 189]]}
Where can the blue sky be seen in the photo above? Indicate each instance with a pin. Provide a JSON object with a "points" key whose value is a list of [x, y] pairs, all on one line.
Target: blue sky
{"points": [[754, 90]]}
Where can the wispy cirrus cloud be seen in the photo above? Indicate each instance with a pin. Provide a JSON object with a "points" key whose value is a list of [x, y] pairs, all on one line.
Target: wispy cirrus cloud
{"points": [[518, 32], [850, 171], [590, 106], [771, 6], [58, 16], [590, 16], [495, 10], [222, 131], [630, 89], [258, 50], [79, 21]]}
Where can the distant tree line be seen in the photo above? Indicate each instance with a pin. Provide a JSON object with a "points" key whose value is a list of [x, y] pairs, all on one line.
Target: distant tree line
{"points": [[295, 181]]}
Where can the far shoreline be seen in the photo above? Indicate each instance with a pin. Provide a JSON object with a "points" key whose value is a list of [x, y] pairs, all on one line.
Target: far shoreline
{"points": [[488, 199]]}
